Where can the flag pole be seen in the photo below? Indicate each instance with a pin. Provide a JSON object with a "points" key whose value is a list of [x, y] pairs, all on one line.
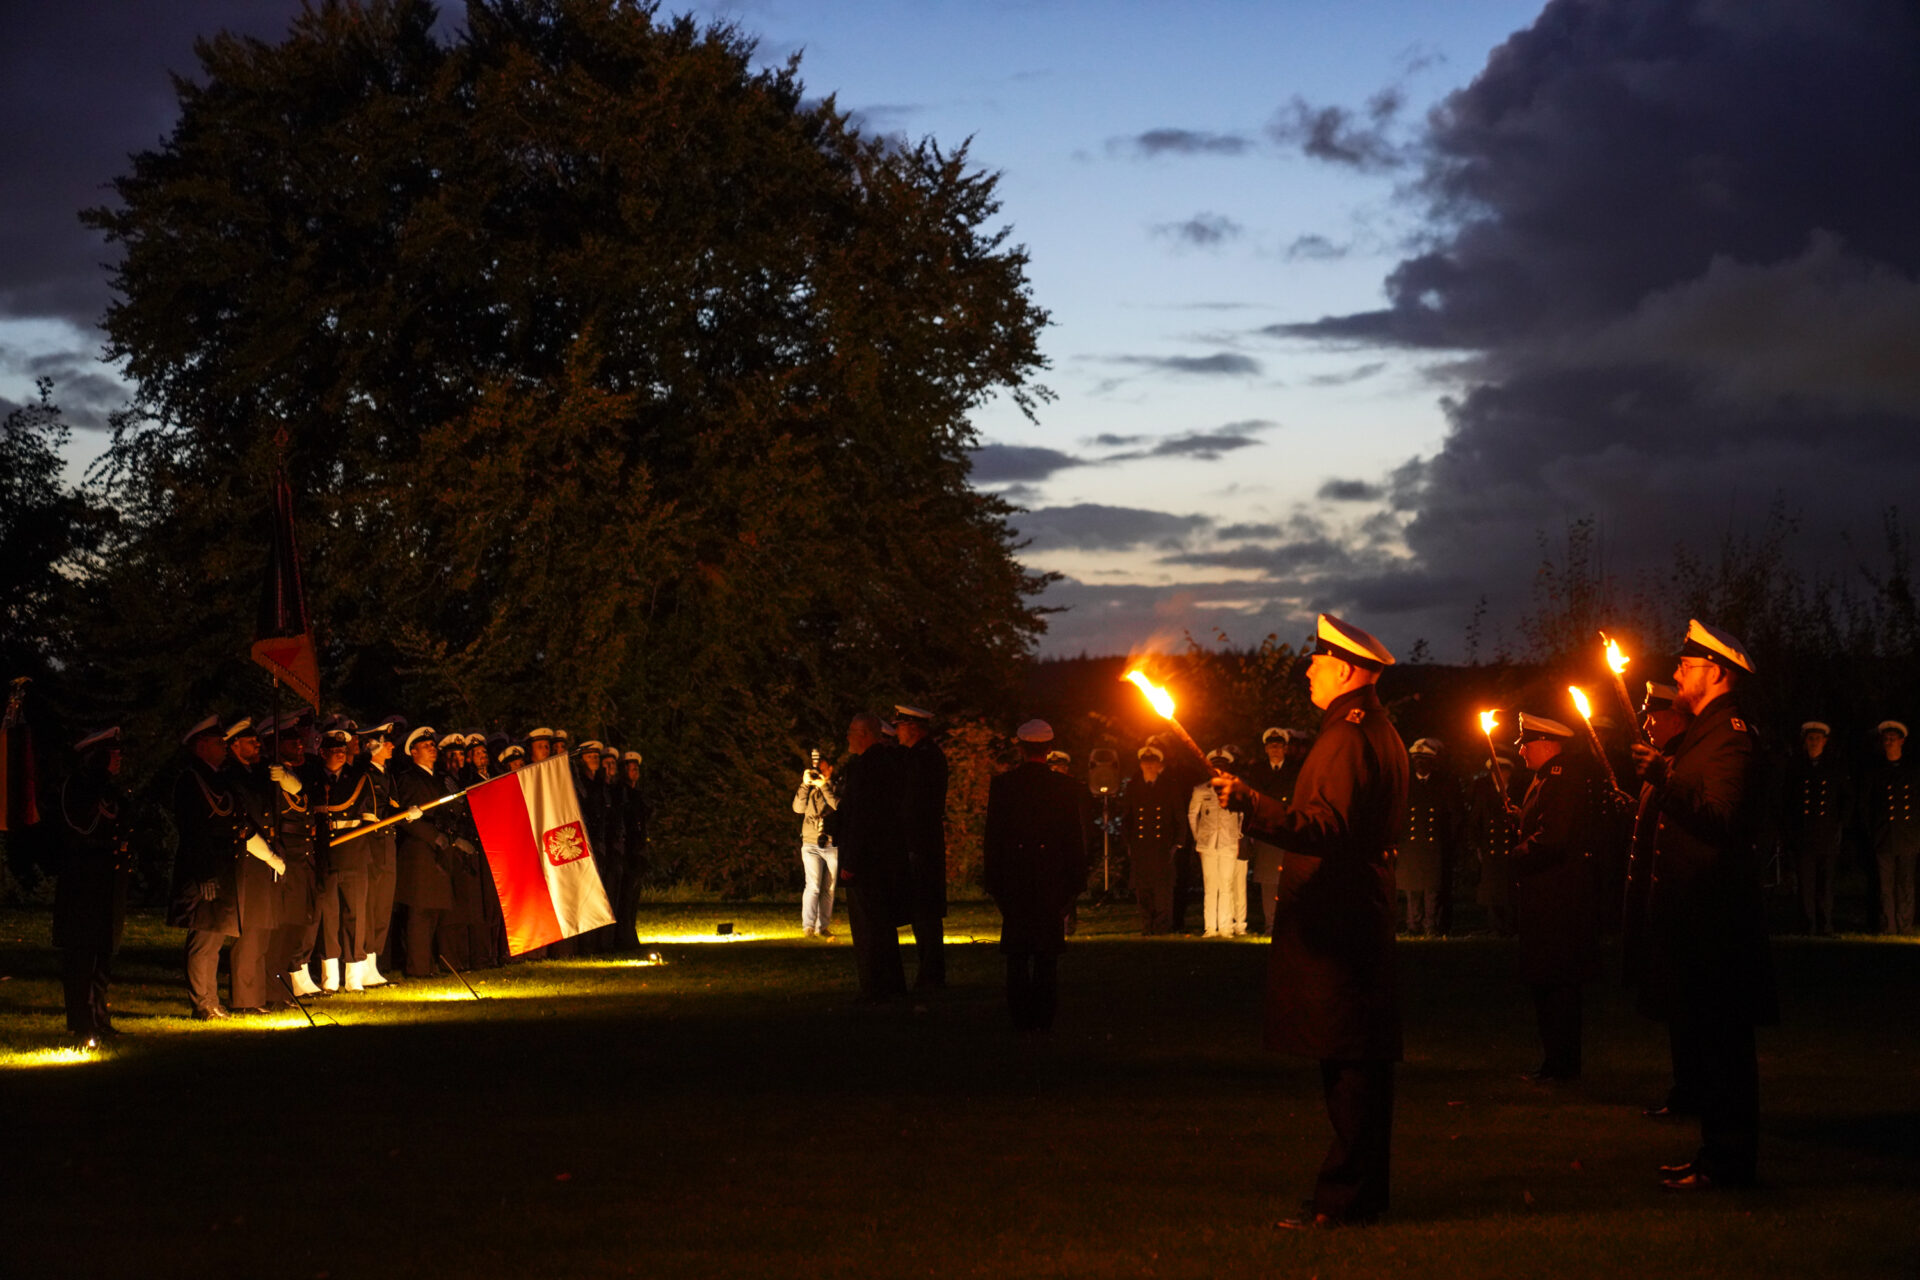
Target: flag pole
{"points": [[372, 827]]}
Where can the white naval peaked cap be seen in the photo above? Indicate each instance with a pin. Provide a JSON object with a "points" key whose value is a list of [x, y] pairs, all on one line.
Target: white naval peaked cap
{"points": [[591, 744], [1223, 753], [241, 728], [1894, 725], [1057, 756], [1034, 731], [1817, 726], [911, 713], [104, 738], [1424, 747], [512, 751], [210, 725], [447, 740], [1276, 734], [633, 756], [1344, 640], [1704, 641], [424, 731], [1534, 727], [536, 735]]}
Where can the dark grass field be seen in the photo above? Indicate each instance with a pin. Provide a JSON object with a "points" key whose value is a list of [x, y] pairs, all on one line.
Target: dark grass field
{"points": [[731, 1112]]}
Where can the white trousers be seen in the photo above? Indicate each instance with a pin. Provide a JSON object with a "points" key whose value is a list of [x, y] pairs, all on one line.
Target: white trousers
{"points": [[1224, 890]]}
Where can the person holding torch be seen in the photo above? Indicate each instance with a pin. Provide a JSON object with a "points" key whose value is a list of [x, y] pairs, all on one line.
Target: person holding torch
{"points": [[1331, 992]]}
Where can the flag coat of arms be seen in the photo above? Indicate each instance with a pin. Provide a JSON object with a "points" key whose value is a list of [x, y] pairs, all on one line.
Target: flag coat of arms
{"points": [[537, 849]]}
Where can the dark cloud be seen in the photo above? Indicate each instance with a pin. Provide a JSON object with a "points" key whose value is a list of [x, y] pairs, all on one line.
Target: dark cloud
{"points": [[1180, 142], [84, 389], [1363, 140], [1359, 373], [1221, 364], [999, 463], [1350, 491], [1315, 248], [1090, 526], [1235, 532], [1202, 230], [1672, 248], [883, 117]]}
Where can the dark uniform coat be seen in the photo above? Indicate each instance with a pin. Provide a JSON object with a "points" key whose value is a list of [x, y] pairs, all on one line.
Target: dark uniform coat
{"points": [[1330, 976], [1705, 949], [924, 766], [867, 828], [1436, 821], [423, 879], [1276, 783], [90, 899], [258, 888], [1035, 859], [213, 838], [1556, 881], [342, 803], [1491, 833]]}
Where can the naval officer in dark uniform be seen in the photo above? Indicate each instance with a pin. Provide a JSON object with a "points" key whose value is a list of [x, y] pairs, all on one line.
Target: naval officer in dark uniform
{"points": [[1330, 972], [1816, 804], [1705, 969], [90, 898], [1153, 814], [1034, 865], [924, 823], [213, 838]]}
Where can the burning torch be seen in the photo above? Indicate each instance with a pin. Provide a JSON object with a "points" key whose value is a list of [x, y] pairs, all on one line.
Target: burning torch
{"points": [[1163, 703], [1586, 718], [1487, 725], [1617, 663]]}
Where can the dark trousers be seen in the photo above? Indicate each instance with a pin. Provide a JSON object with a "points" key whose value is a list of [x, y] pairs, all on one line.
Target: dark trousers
{"points": [[1729, 1083], [344, 916], [85, 973], [1153, 878], [1557, 1009], [380, 885], [1814, 865], [1423, 911], [423, 955], [1269, 895], [1032, 989], [247, 966], [1683, 1044], [1896, 861], [1352, 1185], [876, 944], [292, 947], [930, 951], [203, 968]]}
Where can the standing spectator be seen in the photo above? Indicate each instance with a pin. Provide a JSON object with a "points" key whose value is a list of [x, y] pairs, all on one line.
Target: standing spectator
{"points": [[1216, 838], [1153, 815], [1706, 970], [1893, 826], [819, 860], [1816, 804], [1436, 819], [90, 898], [1556, 890], [873, 864], [1034, 865], [1331, 993], [924, 767]]}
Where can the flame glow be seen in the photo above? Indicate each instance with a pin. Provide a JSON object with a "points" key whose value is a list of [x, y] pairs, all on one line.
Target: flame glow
{"points": [[1162, 700], [1487, 723], [1616, 659], [1580, 703]]}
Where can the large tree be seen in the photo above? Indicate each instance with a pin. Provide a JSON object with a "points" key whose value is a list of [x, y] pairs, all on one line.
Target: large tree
{"points": [[621, 385]]}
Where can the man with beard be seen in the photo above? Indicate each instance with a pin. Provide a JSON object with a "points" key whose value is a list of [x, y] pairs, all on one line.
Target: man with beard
{"points": [[90, 898], [924, 770], [1034, 865], [1330, 978], [255, 983], [1816, 803], [873, 865], [1706, 970]]}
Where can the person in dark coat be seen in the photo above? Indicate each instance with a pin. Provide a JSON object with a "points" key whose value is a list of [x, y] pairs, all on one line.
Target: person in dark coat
{"points": [[1153, 817], [1034, 865], [1436, 821], [1663, 722], [1891, 803], [307, 861], [1706, 970], [344, 801], [251, 978], [427, 848], [1493, 825], [924, 775], [1331, 993], [90, 896], [873, 864], [1282, 751], [634, 814], [376, 754], [1556, 889], [213, 838], [1816, 804]]}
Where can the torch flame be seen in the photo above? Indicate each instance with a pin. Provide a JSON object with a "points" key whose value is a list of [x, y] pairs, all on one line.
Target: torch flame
{"points": [[1616, 659], [1162, 700], [1487, 723], [1580, 703]]}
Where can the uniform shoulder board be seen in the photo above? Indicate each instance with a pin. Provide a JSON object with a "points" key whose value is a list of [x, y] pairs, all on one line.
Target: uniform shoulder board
{"points": [[1555, 771], [1356, 715], [1739, 725]]}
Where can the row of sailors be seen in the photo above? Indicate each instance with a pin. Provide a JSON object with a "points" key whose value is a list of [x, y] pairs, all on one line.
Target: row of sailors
{"points": [[281, 851]]}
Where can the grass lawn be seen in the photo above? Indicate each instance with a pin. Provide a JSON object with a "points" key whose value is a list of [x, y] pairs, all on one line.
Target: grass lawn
{"points": [[731, 1112]]}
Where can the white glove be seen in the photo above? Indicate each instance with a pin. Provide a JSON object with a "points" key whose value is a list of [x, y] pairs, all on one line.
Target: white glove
{"points": [[413, 813], [262, 850], [368, 817], [288, 783]]}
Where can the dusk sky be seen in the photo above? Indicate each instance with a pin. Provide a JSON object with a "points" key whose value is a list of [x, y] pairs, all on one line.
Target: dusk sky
{"points": [[1350, 300]]}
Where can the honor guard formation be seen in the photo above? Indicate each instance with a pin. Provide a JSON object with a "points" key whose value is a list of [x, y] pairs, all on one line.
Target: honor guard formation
{"points": [[325, 859]]}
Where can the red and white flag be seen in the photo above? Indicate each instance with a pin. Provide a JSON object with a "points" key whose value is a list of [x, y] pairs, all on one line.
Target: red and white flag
{"points": [[536, 847]]}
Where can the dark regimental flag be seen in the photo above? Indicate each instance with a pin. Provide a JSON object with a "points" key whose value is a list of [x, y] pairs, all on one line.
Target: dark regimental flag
{"points": [[536, 846], [19, 778], [282, 640]]}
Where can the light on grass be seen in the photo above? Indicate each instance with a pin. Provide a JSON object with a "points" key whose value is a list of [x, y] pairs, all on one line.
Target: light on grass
{"points": [[65, 1056]]}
